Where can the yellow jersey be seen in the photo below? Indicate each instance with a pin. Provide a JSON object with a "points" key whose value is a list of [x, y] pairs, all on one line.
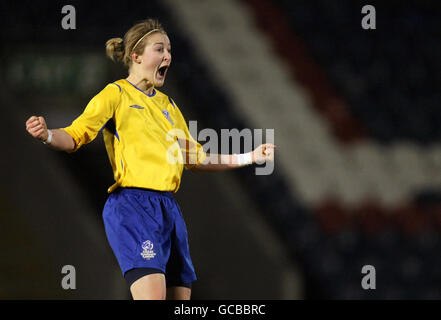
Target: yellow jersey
{"points": [[146, 136]]}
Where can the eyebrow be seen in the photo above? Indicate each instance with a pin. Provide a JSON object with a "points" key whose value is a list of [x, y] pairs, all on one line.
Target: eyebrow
{"points": [[159, 43]]}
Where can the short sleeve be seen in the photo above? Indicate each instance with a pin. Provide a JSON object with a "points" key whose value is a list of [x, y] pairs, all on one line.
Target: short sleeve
{"points": [[192, 150], [98, 111]]}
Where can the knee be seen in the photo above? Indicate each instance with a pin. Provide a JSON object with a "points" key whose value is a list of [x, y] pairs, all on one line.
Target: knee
{"points": [[150, 287], [143, 295], [178, 293]]}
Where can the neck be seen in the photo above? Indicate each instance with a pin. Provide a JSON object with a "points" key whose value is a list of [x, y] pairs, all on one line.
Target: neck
{"points": [[141, 83]]}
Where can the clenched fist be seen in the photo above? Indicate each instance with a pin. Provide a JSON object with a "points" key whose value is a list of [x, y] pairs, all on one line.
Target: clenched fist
{"points": [[264, 153], [36, 126]]}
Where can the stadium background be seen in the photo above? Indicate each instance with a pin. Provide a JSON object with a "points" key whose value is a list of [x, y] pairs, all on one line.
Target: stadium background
{"points": [[356, 114]]}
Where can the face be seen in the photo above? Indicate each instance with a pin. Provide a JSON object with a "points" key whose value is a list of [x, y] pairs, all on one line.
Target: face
{"points": [[153, 64]]}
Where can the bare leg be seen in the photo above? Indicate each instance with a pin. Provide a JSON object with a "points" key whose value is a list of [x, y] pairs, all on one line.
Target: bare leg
{"points": [[178, 293], [149, 287]]}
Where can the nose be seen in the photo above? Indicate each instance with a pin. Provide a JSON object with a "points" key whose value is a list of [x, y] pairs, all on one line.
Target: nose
{"points": [[167, 56]]}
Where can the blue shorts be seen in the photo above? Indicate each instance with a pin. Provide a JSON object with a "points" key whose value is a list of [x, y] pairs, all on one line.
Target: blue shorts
{"points": [[145, 229]]}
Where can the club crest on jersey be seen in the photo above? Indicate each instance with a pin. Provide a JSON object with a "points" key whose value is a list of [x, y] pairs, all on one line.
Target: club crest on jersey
{"points": [[147, 250], [167, 116]]}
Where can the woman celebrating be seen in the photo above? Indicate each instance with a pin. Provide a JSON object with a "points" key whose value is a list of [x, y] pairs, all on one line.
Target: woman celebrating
{"points": [[142, 128]]}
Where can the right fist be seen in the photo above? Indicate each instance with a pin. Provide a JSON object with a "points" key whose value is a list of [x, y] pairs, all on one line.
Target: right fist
{"points": [[36, 126]]}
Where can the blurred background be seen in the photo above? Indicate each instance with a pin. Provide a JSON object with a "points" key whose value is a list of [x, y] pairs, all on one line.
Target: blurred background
{"points": [[357, 120]]}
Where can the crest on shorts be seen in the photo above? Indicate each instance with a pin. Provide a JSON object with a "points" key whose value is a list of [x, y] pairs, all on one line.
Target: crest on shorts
{"points": [[147, 250]]}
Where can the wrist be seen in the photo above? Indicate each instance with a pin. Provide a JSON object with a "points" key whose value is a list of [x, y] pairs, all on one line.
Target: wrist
{"points": [[245, 159], [49, 137]]}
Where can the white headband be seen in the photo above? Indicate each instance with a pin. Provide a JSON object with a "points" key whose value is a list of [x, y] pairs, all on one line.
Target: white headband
{"points": [[151, 31]]}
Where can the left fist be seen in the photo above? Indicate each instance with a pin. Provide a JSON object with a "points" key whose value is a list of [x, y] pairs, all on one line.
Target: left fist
{"points": [[264, 153]]}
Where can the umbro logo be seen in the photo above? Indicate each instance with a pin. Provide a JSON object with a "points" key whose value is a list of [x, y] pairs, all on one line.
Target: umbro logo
{"points": [[136, 106]]}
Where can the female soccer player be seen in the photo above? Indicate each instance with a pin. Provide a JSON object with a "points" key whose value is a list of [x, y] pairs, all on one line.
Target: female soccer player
{"points": [[143, 128]]}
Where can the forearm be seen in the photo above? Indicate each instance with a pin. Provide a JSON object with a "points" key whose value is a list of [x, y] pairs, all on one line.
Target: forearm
{"points": [[221, 162], [61, 140], [56, 138]]}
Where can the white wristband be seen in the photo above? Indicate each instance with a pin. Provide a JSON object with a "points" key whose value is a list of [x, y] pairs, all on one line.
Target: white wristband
{"points": [[244, 159], [49, 137]]}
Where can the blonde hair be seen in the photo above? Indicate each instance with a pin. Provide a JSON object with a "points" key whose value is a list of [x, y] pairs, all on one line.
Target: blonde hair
{"points": [[135, 40]]}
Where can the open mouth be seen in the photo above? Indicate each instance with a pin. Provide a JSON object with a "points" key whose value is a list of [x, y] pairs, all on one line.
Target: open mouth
{"points": [[162, 71]]}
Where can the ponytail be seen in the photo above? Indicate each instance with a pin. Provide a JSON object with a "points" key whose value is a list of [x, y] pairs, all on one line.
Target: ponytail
{"points": [[115, 49]]}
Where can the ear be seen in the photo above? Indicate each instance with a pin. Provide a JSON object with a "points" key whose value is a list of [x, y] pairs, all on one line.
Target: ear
{"points": [[136, 58]]}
